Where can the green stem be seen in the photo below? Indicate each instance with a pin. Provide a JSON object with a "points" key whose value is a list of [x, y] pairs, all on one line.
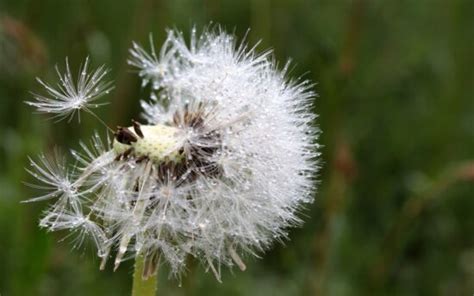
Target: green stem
{"points": [[143, 287]]}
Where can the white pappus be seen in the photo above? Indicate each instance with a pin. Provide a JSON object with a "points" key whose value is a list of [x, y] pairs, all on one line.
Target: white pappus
{"points": [[225, 160], [68, 98]]}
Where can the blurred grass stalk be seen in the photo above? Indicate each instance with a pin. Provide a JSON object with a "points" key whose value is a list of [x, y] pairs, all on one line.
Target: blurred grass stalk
{"points": [[411, 210], [343, 167], [343, 171]]}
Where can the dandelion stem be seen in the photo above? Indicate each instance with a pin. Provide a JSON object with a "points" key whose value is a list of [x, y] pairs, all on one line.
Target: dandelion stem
{"points": [[141, 286]]}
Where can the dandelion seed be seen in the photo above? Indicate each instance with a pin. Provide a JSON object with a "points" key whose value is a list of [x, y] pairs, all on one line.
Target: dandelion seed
{"points": [[54, 176], [151, 67], [68, 98]]}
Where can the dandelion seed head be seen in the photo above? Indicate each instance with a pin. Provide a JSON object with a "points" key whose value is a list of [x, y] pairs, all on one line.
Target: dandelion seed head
{"points": [[220, 169]]}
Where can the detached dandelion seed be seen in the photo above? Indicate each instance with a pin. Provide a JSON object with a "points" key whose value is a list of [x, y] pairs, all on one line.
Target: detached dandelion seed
{"points": [[225, 159], [69, 98]]}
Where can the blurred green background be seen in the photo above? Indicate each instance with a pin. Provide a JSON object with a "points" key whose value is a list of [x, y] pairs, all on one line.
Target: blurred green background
{"points": [[394, 213]]}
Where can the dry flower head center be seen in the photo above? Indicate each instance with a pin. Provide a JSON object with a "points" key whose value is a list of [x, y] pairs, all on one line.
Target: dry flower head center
{"points": [[169, 147]]}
